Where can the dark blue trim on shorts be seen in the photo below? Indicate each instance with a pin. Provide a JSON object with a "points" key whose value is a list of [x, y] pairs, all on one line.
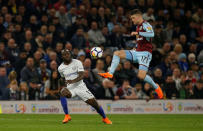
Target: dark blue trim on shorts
{"points": [[143, 67], [131, 54]]}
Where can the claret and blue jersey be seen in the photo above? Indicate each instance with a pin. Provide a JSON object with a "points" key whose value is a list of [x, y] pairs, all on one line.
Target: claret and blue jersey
{"points": [[142, 54]]}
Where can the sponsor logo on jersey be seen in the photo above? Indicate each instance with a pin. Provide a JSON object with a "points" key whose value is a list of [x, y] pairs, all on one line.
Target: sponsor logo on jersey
{"points": [[141, 38], [149, 28], [74, 68]]}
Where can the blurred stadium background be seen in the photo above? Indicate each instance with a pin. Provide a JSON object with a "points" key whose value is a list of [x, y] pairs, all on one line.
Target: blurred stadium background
{"points": [[33, 33]]}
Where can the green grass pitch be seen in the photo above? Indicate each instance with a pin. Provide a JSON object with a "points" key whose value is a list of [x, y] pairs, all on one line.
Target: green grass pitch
{"points": [[34, 122]]}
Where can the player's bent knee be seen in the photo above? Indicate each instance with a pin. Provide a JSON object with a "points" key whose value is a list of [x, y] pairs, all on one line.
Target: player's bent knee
{"points": [[90, 101], [141, 77], [120, 53], [141, 74], [116, 53], [65, 93], [93, 103]]}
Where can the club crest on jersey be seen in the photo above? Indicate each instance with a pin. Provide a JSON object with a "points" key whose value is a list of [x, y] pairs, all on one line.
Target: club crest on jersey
{"points": [[141, 38], [149, 28], [74, 68]]}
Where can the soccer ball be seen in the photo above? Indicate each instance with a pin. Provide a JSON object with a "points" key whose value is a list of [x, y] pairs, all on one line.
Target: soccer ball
{"points": [[96, 52]]}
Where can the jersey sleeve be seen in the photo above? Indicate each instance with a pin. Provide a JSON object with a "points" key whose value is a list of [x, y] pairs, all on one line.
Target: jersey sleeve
{"points": [[148, 30], [61, 72], [80, 66]]}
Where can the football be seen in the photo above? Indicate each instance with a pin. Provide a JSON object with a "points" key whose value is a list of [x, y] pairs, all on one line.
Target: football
{"points": [[96, 52]]}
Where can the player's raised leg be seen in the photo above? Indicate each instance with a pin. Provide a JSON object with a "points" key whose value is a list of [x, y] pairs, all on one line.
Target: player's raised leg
{"points": [[99, 110], [116, 60], [65, 109], [142, 74]]}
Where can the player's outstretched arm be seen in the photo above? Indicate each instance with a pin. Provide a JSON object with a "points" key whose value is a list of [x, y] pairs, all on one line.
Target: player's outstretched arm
{"points": [[80, 77]]}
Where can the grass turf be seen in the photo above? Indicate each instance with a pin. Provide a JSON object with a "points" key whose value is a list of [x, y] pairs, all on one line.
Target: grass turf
{"points": [[36, 122]]}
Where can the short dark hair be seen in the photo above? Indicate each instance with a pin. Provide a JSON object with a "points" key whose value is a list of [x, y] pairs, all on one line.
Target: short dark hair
{"points": [[135, 11]]}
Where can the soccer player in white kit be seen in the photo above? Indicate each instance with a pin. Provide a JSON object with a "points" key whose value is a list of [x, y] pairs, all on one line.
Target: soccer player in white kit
{"points": [[72, 73]]}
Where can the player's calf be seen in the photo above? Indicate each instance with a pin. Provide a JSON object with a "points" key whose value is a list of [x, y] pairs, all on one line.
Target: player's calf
{"points": [[65, 93], [142, 75], [99, 109], [115, 61]]}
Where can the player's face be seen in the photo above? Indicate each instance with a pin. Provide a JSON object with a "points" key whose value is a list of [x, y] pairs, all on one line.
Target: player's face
{"points": [[135, 19], [66, 56]]}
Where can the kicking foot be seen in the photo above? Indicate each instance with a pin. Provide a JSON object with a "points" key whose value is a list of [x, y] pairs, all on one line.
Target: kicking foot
{"points": [[66, 118], [159, 92], [107, 121]]}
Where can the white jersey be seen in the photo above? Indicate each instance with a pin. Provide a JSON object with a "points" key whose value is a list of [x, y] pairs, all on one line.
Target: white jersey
{"points": [[70, 72]]}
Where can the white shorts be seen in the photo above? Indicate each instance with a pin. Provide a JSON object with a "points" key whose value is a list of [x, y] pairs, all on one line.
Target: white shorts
{"points": [[81, 91]]}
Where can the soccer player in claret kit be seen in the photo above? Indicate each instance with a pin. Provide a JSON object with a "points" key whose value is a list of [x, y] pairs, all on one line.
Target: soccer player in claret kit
{"points": [[142, 54], [72, 73]]}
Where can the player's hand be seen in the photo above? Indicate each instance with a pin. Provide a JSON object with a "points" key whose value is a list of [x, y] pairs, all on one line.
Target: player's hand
{"points": [[69, 81], [134, 33]]}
